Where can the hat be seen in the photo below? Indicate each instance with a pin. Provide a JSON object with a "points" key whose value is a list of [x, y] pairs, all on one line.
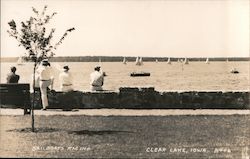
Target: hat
{"points": [[97, 66], [45, 61], [66, 67]]}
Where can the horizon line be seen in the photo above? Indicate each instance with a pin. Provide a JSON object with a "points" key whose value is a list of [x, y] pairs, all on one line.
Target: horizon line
{"points": [[139, 56]]}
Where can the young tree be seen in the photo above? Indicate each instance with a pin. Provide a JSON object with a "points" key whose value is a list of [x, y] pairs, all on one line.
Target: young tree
{"points": [[36, 39]]}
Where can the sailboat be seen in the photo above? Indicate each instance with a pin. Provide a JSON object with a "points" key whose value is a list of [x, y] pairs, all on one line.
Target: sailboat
{"points": [[207, 61], [156, 60], [20, 61], [234, 70], [138, 61], [169, 61], [186, 61], [124, 61]]}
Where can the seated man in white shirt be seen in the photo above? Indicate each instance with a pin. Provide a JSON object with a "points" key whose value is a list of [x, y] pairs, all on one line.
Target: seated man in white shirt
{"points": [[97, 79], [65, 79]]}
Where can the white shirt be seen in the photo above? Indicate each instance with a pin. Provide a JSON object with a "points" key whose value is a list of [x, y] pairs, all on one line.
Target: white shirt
{"points": [[45, 73], [96, 79], [65, 78]]}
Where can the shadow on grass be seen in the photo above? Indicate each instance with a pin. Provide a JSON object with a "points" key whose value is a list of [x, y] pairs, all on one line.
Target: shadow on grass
{"points": [[80, 132], [97, 132], [36, 130]]}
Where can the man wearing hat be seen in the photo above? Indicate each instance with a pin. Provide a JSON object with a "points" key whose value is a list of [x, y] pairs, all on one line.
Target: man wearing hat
{"points": [[65, 79], [97, 79], [13, 77], [46, 80]]}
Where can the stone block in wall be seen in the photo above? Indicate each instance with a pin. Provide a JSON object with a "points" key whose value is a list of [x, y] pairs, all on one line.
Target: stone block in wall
{"points": [[130, 97], [68, 100], [229, 101], [223, 101], [185, 99], [189, 100], [214, 100], [147, 89], [142, 97], [169, 100], [237, 100], [243, 99], [149, 98], [100, 100], [108, 100], [90, 100], [246, 98], [111, 100], [128, 89], [204, 99]]}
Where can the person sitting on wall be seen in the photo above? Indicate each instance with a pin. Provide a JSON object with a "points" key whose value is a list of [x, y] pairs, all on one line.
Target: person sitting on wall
{"points": [[13, 77], [65, 79], [97, 79]]}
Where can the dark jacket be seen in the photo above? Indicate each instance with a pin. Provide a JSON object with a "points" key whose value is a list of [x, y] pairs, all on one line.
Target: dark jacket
{"points": [[12, 78]]}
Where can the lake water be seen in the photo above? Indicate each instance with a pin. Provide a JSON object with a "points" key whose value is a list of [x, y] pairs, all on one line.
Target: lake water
{"points": [[196, 76]]}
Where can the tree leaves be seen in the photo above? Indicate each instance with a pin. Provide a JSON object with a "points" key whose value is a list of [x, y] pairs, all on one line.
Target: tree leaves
{"points": [[35, 11], [63, 37], [12, 24], [71, 29], [33, 37], [44, 9]]}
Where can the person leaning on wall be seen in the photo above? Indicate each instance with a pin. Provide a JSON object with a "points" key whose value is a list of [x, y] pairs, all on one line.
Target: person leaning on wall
{"points": [[65, 78], [46, 80], [66, 100]]}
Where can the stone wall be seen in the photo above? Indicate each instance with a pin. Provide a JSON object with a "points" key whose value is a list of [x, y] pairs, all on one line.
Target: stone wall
{"points": [[148, 98]]}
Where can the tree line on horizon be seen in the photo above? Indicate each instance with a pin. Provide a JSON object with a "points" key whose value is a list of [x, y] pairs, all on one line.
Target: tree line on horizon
{"points": [[120, 59]]}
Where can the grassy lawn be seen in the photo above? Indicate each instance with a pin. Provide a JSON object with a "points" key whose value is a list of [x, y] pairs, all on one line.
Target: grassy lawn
{"points": [[204, 136]]}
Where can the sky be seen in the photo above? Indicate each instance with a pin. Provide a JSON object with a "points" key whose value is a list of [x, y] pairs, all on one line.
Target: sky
{"points": [[165, 28]]}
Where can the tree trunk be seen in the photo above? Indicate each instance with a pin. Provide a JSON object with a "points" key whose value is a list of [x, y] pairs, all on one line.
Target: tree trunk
{"points": [[33, 101]]}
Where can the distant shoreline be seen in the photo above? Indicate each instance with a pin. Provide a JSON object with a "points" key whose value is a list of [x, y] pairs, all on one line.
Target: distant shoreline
{"points": [[128, 58]]}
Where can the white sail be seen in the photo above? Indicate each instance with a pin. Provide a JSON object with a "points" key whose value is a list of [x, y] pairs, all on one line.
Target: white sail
{"points": [[156, 60], [207, 61], [124, 61], [20, 61], [137, 61], [169, 61], [140, 61], [186, 61]]}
